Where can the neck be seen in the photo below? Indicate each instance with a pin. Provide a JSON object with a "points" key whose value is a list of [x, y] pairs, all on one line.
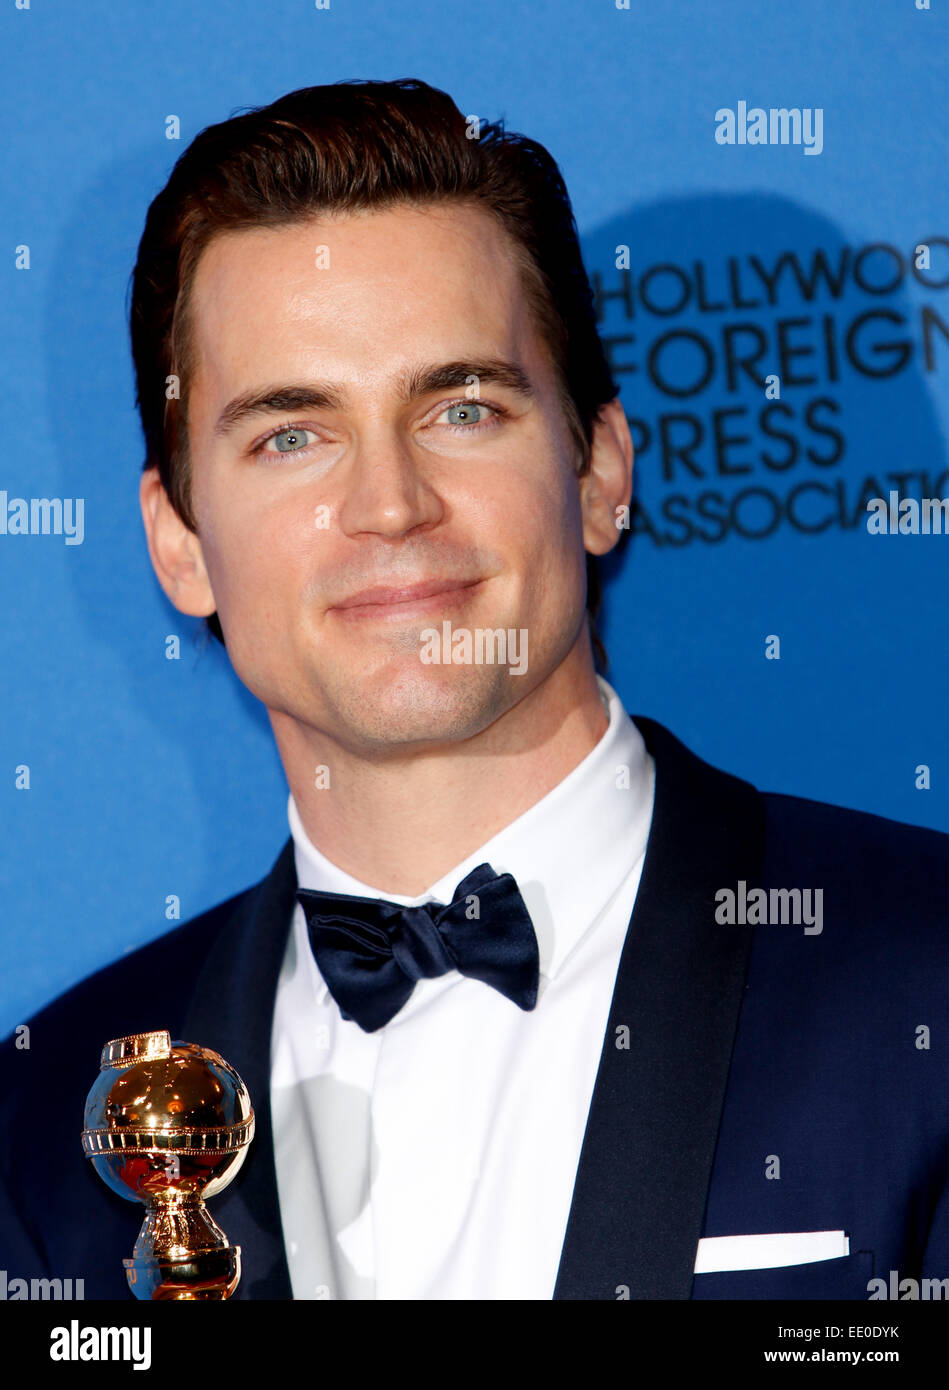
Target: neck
{"points": [[400, 825]]}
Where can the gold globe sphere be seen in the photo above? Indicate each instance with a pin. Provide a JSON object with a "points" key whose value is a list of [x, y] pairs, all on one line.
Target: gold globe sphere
{"points": [[169, 1124]]}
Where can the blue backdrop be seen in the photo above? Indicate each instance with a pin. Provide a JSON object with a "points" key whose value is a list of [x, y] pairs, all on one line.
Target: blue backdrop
{"points": [[150, 777]]}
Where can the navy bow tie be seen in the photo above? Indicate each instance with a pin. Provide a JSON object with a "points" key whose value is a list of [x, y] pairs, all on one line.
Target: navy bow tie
{"points": [[371, 951]]}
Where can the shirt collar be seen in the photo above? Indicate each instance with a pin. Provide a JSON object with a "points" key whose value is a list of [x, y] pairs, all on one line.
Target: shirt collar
{"points": [[569, 853]]}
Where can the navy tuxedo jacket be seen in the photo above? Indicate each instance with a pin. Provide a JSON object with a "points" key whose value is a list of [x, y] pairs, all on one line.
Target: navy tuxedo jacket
{"points": [[728, 1047]]}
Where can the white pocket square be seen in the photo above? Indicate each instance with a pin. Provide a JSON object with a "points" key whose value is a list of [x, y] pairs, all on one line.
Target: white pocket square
{"points": [[716, 1254]]}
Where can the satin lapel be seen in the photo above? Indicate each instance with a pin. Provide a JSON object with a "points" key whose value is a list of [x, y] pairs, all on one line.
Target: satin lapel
{"points": [[232, 1011], [642, 1180]]}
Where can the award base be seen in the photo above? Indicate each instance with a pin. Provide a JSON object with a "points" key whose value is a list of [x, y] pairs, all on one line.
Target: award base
{"points": [[197, 1275]]}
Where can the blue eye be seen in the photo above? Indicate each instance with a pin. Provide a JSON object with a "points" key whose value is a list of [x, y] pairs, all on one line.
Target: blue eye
{"points": [[290, 440], [467, 414]]}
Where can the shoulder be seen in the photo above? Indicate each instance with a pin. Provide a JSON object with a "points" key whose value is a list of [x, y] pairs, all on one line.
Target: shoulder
{"points": [[881, 889], [153, 971], [872, 853], [153, 982]]}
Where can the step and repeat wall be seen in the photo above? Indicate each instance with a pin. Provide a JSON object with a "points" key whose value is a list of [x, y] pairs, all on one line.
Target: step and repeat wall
{"points": [[764, 212]]}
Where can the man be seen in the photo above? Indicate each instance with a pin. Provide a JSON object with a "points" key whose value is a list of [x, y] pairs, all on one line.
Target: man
{"points": [[657, 1035]]}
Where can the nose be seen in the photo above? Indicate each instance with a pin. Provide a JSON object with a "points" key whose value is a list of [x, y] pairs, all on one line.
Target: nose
{"points": [[386, 490]]}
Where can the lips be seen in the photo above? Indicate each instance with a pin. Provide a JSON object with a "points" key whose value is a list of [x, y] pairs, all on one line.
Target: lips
{"points": [[390, 597]]}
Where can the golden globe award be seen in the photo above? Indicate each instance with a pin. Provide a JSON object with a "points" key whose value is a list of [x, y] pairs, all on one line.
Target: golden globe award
{"points": [[169, 1124]]}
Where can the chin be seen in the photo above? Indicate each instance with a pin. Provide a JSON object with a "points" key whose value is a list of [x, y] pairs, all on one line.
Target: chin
{"points": [[443, 705]]}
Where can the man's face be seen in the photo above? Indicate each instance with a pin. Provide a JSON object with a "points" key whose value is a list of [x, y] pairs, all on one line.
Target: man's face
{"points": [[336, 532]]}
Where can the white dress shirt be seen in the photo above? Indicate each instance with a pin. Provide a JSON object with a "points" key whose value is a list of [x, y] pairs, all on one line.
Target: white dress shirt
{"points": [[436, 1157]]}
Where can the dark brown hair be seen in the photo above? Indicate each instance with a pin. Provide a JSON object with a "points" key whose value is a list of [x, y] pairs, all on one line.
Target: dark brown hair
{"points": [[345, 147]]}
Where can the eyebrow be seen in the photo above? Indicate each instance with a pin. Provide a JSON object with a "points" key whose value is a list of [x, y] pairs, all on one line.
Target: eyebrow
{"points": [[421, 381]]}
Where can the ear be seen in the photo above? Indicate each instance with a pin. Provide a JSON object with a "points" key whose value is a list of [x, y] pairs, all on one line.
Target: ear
{"points": [[175, 551], [608, 483]]}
